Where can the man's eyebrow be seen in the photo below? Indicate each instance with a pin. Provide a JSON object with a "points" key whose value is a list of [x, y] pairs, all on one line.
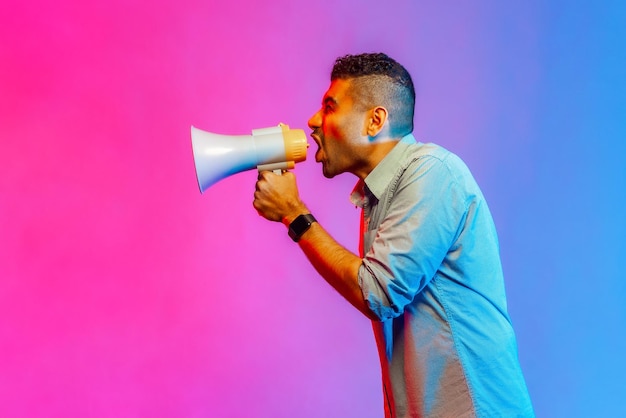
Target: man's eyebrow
{"points": [[329, 100]]}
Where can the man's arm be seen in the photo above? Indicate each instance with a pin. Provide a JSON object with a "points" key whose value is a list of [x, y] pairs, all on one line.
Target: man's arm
{"points": [[276, 198], [338, 266]]}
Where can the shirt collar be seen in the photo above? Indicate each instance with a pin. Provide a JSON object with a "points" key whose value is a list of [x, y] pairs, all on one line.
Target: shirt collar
{"points": [[379, 178]]}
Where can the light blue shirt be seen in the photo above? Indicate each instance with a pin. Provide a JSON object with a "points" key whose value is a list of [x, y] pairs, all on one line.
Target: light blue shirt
{"points": [[431, 273]]}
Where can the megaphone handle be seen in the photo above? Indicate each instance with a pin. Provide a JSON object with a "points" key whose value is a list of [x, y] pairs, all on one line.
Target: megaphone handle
{"points": [[278, 171], [277, 168]]}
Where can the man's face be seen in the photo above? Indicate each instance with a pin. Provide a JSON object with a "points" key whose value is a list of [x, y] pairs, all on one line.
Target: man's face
{"points": [[339, 130]]}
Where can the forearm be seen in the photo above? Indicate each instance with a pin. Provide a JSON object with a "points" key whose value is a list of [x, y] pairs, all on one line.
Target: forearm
{"points": [[338, 266], [276, 198]]}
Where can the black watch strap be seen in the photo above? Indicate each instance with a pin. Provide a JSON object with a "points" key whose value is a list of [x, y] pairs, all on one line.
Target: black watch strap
{"points": [[300, 225]]}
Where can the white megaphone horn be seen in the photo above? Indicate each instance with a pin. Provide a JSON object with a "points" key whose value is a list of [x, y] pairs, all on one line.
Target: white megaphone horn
{"points": [[219, 156]]}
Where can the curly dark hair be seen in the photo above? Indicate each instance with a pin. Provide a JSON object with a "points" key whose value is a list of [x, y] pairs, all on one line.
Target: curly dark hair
{"points": [[378, 80]]}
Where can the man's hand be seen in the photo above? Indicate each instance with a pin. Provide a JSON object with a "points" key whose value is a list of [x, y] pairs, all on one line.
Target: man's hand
{"points": [[276, 197]]}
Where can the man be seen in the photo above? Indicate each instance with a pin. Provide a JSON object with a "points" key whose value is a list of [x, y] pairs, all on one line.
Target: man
{"points": [[429, 274]]}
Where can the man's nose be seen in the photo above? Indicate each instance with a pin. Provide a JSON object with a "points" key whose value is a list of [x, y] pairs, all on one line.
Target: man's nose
{"points": [[316, 120]]}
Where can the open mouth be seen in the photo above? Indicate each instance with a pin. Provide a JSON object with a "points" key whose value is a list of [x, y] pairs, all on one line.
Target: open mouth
{"points": [[318, 154]]}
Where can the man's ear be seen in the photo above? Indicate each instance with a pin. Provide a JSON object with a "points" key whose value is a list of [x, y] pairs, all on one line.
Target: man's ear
{"points": [[377, 120]]}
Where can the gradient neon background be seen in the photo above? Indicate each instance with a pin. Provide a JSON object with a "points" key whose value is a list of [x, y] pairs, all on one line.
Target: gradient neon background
{"points": [[126, 293]]}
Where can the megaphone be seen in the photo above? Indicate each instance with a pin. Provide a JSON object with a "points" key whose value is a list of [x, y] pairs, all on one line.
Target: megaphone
{"points": [[219, 156]]}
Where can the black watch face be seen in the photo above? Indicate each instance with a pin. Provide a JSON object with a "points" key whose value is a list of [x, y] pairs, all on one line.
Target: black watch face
{"points": [[300, 225]]}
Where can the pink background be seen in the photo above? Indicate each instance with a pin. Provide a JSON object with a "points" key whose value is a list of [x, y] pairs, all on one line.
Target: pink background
{"points": [[126, 293]]}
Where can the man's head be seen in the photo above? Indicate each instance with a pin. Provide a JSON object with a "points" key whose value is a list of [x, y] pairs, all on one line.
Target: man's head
{"points": [[378, 80], [365, 111]]}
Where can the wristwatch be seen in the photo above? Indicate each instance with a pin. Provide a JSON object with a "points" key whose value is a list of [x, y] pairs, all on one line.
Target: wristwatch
{"points": [[300, 225]]}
